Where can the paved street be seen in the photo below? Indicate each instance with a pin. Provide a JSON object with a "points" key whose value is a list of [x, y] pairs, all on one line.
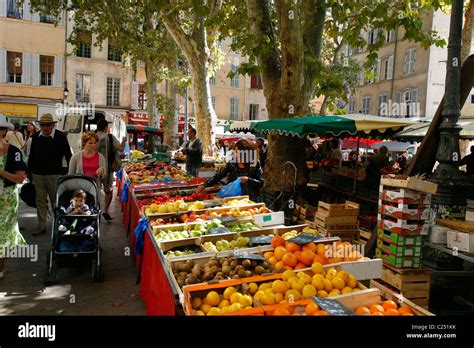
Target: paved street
{"points": [[22, 291]]}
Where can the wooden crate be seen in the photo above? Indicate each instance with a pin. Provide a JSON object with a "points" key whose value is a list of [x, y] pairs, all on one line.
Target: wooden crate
{"points": [[311, 224], [345, 235], [412, 183], [349, 208], [419, 302]]}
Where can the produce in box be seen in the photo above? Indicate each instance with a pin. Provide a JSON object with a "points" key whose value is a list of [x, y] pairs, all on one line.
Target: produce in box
{"points": [[386, 308]]}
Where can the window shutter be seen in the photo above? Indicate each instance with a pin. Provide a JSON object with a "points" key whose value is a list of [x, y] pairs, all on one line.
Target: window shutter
{"points": [[377, 78], [399, 96], [35, 69], [390, 68], [405, 66], [26, 11], [3, 9], [3, 65], [26, 73], [134, 96], [414, 95], [58, 71], [15, 62]]}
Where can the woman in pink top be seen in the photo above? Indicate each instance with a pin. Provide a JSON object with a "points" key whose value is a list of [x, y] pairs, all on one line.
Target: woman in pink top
{"points": [[88, 161]]}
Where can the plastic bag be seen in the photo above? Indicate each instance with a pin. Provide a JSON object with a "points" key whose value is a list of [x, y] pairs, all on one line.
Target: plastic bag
{"points": [[230, 190]]}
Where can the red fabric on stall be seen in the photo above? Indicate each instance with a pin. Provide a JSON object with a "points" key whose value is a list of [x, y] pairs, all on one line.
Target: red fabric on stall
{"points": [[155, 289]]}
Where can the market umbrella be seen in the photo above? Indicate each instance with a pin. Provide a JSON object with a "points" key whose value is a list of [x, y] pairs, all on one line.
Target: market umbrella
{"points": [[392, 146], [244, 126], [351, 143], [418, 131]]}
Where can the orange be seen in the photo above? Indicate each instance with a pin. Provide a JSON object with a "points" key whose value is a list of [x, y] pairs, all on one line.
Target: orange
{"points": [[297, 254], [272, 260], [362, 311], [309, 291], [279, 286], [288, 274], [299, 265], [292, 247], [322, 293], [311, 247], [279, 297], [196, 302], [281, 312], [279, 252], [307, 257], [205, 308], [320, 259], [321, 314], [292, 296], [278, 241], [268, 254], [317, 268], [389, 304], [213, 298], [391, 311], [279, 266], [402, 310], [297, 285], [321, 250], [338, 283], [378, 314], [268, 298], [407, 314], [327, 285], [311, 308], [290, 259], [344, 276], [318, 283], [376, 308], [352, 283]]}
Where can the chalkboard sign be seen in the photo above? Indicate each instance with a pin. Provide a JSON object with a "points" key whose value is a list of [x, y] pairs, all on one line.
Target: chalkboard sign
{"points": [[260, 240], [332, 306], [304, 238], [218, 230], [243, 255], [226, 218]]}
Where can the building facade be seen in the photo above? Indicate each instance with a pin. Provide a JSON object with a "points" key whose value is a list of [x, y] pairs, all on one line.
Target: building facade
{"points": [[407, 80], [32, 47]]}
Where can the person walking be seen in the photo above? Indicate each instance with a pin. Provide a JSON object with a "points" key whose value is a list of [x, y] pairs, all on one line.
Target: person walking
{"points": [[89, 161], [15, 137], [468, 161], [193, 151], [12, 172], [48, 149], [30, 131], [108, 146]]}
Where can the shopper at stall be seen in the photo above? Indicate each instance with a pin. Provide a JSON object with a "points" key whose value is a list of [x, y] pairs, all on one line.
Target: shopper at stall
{"points": [[88, 161], [48, 150], [402, 161], [376, 166], [335, 151], [30, 131], [262, 152], [12, 172], [15, 137], [468, 161], [250, 174], [193, 151], [108, 145]]}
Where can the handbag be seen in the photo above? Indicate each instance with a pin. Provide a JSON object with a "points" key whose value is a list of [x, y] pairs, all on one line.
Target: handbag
{"points": [[115, 163], [28, 194]]}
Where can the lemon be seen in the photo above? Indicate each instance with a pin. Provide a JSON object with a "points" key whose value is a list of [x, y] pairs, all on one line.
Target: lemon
{"points": [[322, 293], [318, 283], [297, 285], [308, 291], [200, 313], [346, 290], [327, 285], [253, 288], [352, 282], [235, 297], [279, 286], [245, 300], [213, 298], [214, 311], [224, 303], [229, 291], [338, 283]]}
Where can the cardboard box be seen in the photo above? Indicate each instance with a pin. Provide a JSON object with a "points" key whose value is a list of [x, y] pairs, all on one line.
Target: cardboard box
{"points": [[438, 234], [398, 250], [398, 238], [404, 227], [461, 241], [404, 212], [398, 261], [404, 196], [410, 183]]}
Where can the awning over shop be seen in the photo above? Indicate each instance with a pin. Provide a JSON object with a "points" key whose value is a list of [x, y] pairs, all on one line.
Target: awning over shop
{"points": [[244, 126], [393, 146], [19, 110], [344, 125], [417, 132]]}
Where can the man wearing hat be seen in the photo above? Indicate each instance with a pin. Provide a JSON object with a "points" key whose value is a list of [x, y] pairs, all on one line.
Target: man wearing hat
{"points": [[48, 148]]}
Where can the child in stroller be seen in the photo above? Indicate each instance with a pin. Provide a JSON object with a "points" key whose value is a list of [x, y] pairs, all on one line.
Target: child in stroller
{"points": [[78, 204]]}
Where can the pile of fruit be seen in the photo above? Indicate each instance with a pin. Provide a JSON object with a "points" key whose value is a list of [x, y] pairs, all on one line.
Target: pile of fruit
{"points": [[225, 245], [218, 269], [143, 171], [388, 308], [246, 226], [311, 309], [161, 199], [292, 287], [136, 155], [173, 207], [238, 202], [197, 230], [288, 255], [171, 254], [294, 233], [235, 212], [168, 235]]}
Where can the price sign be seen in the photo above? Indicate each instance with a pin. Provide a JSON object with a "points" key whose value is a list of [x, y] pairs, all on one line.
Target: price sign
{"points": [[226, 218], [260, 240], [332, 306], [242, 255], [218, 230], [304, 238]]}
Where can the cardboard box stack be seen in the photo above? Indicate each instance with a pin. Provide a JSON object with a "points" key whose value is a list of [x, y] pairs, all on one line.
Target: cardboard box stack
{"points": [[341, 220], [404, 217]]}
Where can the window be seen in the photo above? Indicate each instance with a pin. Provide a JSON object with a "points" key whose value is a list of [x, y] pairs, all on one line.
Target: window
{"points": [[409, 107], [83, 48], [253, 114], [212, 80], [382, 102], [390, 36], [360, 78], [256, 82], [388, 68], [113, 91], [14, 66], [213, 101], [47, 19], [366, 104], [46, 70], [234, 108], [372, 37], [472, 98], [234, 81], [113, 53], [410, 57], [348, 51], [352, 105], [14, 9], [83, 88], [142, 99]]}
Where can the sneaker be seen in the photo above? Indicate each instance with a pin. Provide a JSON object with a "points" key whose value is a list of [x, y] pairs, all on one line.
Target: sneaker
{"points": [[39, 231], [107, 216]]}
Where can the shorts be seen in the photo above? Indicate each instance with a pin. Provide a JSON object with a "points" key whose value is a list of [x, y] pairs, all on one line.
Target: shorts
{"points": [[108, 182]]}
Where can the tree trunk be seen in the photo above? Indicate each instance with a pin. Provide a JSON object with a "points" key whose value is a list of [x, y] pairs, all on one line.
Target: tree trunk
{"points": [[171, 118], [152, 109], [467, 31]]}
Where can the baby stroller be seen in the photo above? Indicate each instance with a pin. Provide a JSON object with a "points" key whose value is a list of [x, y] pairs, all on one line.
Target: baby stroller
{"points": [[75, 239]]}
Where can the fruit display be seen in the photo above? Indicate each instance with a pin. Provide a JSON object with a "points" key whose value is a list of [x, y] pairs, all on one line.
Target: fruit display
{"points": [[171, 254], [188, 272], [246, 226], [225, 245], [153, 171], [288, 255], [237, 212], [136, 155], [167, 235], [197, 230], [238, 202], [386, 308], [309, 309], [163, 198], [169, 207], [290, 288]]}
